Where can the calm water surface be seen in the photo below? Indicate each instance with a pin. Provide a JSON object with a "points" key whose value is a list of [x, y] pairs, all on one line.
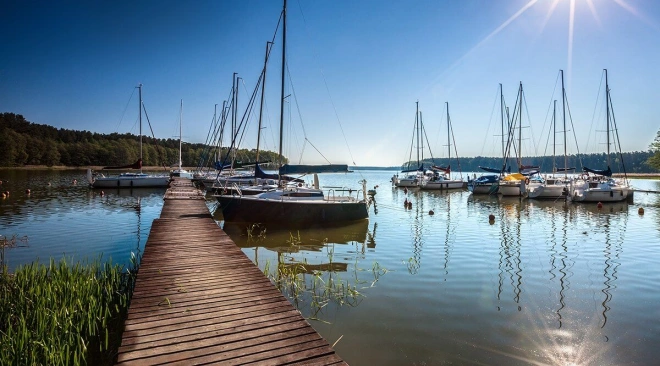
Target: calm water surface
{"points": [[545, 283]]}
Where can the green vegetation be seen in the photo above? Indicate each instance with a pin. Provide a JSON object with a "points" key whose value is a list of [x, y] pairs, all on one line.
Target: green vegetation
{"points": [[61, 314], [25, 143], [654, 160]]}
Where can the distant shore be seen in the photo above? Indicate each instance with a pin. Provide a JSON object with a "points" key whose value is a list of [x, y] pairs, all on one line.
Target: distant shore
{"points": [[63, 167]]}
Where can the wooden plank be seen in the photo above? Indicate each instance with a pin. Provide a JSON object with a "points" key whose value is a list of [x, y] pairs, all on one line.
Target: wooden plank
{"points": [[199, 299]]}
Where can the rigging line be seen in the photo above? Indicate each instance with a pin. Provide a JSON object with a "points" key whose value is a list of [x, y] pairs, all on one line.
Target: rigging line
{"points": [[427, 143], [125, 109], [160, 154], [490, 120], [577, 147], [317, 150], [458, 161], [531, 129], [302, 124], [325, 82], [593, 116]]}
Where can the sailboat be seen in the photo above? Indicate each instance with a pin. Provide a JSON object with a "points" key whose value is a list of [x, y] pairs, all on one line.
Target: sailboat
{"points": [[129, 179], [489, 183], [295, 204], [180, 172], [554, 187], [515, 184], [443, 180], [412, 176], [598, 185]]}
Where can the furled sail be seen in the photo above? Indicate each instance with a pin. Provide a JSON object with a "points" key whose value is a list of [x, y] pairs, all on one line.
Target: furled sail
{"points": [[446, 169], [309, 169], [606, 173]]}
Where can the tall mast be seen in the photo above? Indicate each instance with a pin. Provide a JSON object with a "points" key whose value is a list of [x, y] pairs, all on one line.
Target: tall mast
{"points": [[563, 103], [283, 78], [448, 137], [180, 131], [417, 129], [607, 107], [421, 135], [261, 109], [502, 121], [520, 127], [554, 137], [140, 111]]}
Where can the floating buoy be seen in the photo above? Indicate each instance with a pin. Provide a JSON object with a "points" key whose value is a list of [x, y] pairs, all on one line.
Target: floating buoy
{"points": [[49, 184], [640, 211], [75, 181], [409, 204], [431, 212], [491, 217], [405, 203], [405, 190], [102, 193], [6, 193], [3, 195], [27, 191], [599, 205]]}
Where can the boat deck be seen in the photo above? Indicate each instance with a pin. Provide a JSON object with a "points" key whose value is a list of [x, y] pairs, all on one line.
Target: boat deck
{"points": [[198, 299]]}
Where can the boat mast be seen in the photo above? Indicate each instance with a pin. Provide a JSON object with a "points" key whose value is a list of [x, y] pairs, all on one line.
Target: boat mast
{"points": [[180, 132], [261, 108], [283, 78], [448, 137], [502, 122], [554, 137], [607, 107], [563, 103], [417, 129], [140, 111], [520, 127]]}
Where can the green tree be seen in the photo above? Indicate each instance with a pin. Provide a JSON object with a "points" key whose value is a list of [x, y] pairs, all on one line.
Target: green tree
{"points": [[654, 160]]}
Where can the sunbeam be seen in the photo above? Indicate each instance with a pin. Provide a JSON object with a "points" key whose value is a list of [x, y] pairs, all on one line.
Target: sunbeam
{"points": [[633, 11]]}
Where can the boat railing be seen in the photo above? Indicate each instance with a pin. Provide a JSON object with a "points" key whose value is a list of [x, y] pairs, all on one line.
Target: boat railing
{"points": [[237, 189]]}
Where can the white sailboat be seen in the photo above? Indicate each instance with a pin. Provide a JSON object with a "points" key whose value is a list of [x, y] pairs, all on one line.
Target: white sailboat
{"points": [[180, 172], [554, 187], [412, 176], [295, 204], [129, 179], [598, 185], [441, 178]]}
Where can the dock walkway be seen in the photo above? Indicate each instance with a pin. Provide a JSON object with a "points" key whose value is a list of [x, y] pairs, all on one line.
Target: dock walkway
{"points": [[199, 300]]}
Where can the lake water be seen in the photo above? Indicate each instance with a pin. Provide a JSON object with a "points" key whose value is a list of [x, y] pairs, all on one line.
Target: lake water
{"points": [[545, 283]]}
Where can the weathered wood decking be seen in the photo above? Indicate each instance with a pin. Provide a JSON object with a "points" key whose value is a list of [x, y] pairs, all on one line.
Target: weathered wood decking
{"points": [[199, 300]]}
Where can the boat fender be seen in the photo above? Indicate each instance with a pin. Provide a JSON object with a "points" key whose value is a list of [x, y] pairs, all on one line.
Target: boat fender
{"points": [[641, 211]]}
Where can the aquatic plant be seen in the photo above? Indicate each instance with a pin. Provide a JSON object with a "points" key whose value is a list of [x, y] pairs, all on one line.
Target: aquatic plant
{"points": [[63, 314]]}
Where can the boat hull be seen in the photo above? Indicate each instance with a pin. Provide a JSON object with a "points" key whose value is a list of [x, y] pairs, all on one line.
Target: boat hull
{"points": [[253, 209], [548, 192], [600, 193], [132, 182], [512, 189], [483, 188], [443, 185]]}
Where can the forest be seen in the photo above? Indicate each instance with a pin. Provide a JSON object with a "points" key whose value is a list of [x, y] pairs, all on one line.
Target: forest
{"points": [[26, 143]]}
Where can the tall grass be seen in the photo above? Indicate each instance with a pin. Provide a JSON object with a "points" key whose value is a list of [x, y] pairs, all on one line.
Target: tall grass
{"points": [[63, 314]]}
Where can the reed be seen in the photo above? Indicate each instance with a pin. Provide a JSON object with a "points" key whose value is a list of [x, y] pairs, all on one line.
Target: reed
{"points": [[63, 313]]}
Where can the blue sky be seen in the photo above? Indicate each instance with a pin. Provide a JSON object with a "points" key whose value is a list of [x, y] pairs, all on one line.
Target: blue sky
{"points": [[357, 69]]}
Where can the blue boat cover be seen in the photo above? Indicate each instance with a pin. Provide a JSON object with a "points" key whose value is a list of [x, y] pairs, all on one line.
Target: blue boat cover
{"points": [[606, 173], [309, 169], [490, 170]]}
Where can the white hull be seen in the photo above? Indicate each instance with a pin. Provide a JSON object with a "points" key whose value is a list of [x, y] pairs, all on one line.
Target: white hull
{"points": [[443, 184], [513, 189], [548, 191], [604, 191], [406, 182], [131, 182]]}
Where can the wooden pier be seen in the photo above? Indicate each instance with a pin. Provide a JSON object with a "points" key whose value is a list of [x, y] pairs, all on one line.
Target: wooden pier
{"points": [[199, 300]]}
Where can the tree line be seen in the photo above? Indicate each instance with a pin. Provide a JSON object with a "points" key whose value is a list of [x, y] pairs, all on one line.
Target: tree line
{"points": [[26, 143]]}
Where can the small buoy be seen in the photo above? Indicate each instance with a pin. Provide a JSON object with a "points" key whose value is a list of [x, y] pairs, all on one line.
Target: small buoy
{"points": [[27, 191], [410, 204], [640, 211], [102, 193], [491, 217], [431, 212], [49, 184], [3, 195], [599, 205], [405, 190], [6, 193], [75, 181]]}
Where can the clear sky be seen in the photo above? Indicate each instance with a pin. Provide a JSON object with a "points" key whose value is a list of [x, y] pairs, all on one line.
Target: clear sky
{"points": [[357, 68]]}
